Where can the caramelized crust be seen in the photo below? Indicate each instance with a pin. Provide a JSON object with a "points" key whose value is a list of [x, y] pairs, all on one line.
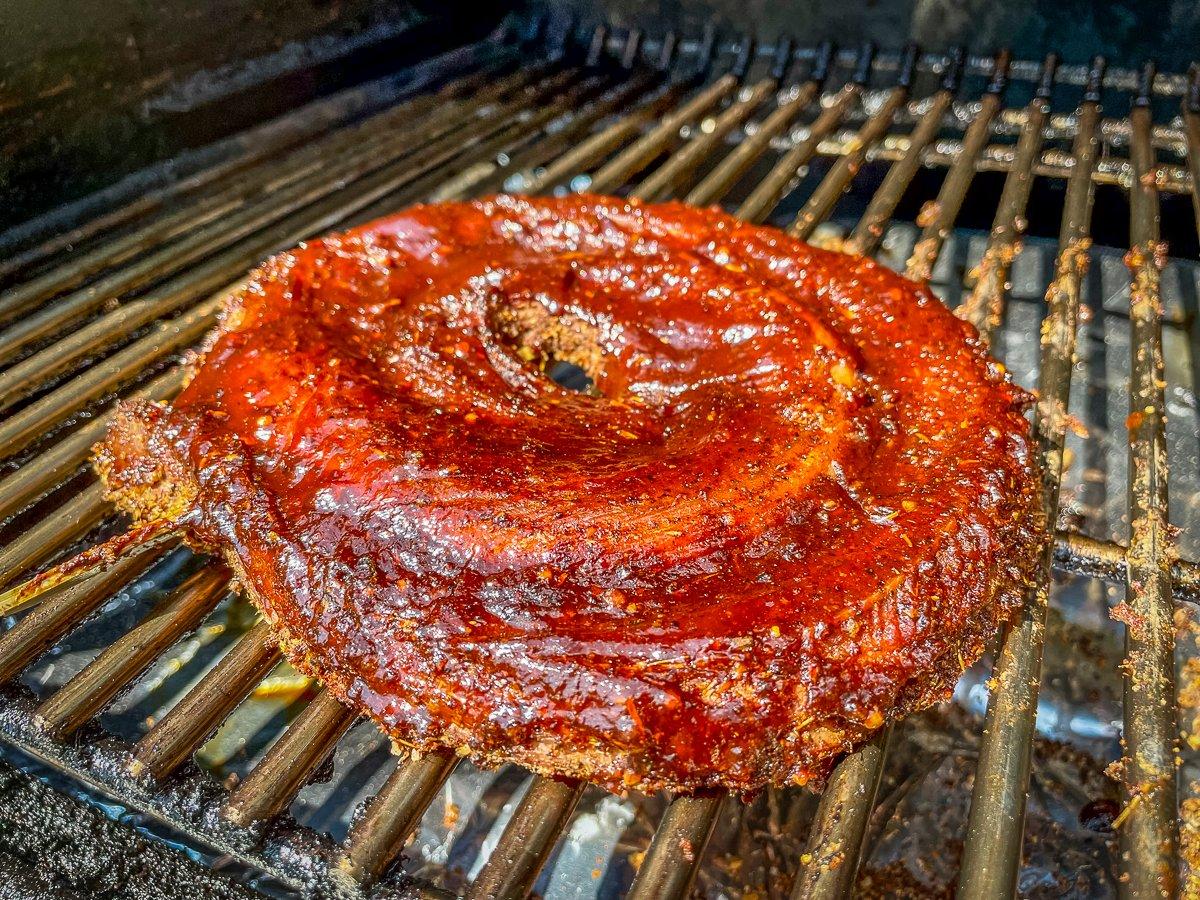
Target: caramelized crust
{"points": [[799, 502]]}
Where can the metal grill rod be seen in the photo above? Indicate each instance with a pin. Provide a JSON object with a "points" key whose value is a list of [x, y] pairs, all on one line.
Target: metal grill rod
{"points": [[985, 307], [735, 164], [823, 199], [665, 180], [829, 864], [290, 762], [525, 845], [595, 147], [1150, 835], [63, 609], [122, 661], [868, 234], [642, 151], [600, 144], [175, 736], [1078, 554], [673, 859], [393, 814], [401, 162], [265, 178], [42, 473], [954, 189], [995, 825], [491, 177], [785, 174]]}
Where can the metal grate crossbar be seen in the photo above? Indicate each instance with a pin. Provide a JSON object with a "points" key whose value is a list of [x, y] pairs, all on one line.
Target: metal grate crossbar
{"points": [[695, 120]]}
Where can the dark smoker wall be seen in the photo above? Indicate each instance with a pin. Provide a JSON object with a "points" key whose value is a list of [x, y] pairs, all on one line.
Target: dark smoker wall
{"points": [[1128, 31], [91, 90]]}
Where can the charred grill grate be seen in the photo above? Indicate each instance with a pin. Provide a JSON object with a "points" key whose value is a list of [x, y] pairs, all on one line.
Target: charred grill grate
{"points": [[703, 121]]}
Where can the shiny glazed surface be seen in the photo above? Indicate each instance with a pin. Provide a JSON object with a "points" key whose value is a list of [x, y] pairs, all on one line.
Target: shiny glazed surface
{"points": [[798, 504]]}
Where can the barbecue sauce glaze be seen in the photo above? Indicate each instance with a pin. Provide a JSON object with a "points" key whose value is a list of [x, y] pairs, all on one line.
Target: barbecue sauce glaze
{"points": [[797, 504]]}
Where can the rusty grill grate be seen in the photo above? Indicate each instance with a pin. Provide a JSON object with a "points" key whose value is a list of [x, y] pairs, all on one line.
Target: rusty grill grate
{"points": [[106, 310]]}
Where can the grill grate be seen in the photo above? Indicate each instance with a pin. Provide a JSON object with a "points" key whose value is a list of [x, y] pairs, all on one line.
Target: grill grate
{"points": [[655, 120]]}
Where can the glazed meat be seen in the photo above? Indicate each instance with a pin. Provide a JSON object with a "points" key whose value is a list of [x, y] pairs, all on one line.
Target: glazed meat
{"points": [[797, 503]]}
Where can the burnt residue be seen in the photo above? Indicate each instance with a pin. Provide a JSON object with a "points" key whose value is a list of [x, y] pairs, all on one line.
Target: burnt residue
{"points": [[55, 845], [925, 796]]}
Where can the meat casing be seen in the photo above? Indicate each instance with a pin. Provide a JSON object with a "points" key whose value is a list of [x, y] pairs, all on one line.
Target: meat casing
{"points": [[800, 502]]}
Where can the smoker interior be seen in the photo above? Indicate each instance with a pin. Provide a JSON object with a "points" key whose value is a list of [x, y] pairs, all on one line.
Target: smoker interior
{"points": [[149, 690]]}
